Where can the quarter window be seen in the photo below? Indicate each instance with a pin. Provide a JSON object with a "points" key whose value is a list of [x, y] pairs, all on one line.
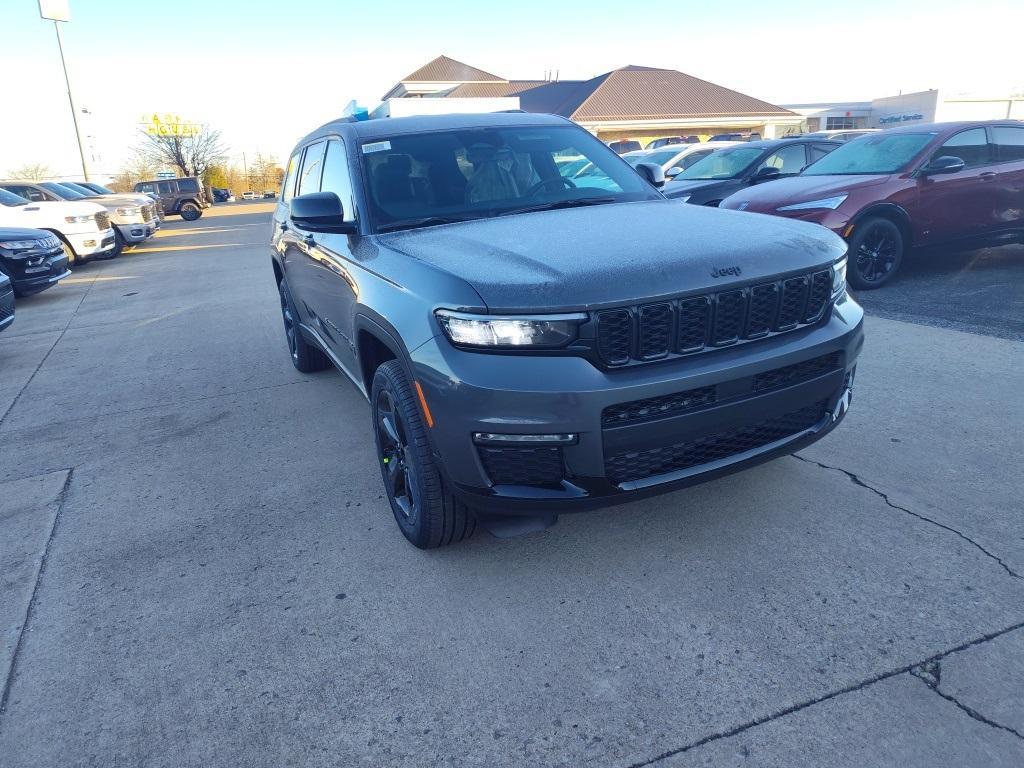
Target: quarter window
{"points": [[971, 146], [289, 178], [1009, 143], [187, 185], [337, 178], [309, 181]]}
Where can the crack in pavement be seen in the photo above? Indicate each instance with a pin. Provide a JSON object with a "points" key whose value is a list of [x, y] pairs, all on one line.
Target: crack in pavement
{"points": [[856, 480], [30, 610], [934, 659], [930, 673], [53, 346]]}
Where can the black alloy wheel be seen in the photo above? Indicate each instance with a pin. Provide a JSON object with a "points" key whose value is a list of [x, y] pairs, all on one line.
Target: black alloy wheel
{"points": [[876, 252], [190, 211], [401, 474]]}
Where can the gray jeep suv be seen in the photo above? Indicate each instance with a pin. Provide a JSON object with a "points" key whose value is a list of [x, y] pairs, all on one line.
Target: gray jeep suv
{"points": [[532, 344]]}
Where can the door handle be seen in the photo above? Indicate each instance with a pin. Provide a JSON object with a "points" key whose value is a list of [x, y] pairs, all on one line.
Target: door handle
{"points": [[987, 175]]}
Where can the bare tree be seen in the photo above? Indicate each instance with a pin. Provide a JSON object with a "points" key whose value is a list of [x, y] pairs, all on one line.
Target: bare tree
{"points": [[31, 172], [137, 168], [192, 155]]}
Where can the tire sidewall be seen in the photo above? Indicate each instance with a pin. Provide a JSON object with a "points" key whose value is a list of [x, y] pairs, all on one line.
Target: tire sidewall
{"points": [[190, 211], [390, 376], [855, 242]]}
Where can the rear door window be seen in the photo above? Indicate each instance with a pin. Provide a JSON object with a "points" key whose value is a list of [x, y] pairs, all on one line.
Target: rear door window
{"points": [[165, 187], [1009, 143], [818, 151], [312, 166], [971, 146]]}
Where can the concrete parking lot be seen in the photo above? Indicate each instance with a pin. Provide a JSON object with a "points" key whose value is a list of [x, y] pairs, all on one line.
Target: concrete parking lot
{"points": [[199, 567]]}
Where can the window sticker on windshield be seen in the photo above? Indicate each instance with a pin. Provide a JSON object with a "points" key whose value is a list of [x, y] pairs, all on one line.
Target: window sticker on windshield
{"points": [[376, 146]]}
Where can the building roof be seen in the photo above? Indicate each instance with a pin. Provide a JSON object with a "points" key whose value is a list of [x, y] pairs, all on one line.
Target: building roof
{"points": [[447, 70], [628, 93]]}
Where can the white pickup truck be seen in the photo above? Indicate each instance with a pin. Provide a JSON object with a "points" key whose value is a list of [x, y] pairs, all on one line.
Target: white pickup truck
{"points": [[83, 227]]}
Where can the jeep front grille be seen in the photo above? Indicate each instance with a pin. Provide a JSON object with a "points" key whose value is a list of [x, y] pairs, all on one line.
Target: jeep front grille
{"points": [[700, 323]]}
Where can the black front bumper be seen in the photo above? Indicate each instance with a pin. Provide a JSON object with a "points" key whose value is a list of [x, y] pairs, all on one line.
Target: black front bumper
{"points": [[6, 306], [637, 432], [36, 271]]}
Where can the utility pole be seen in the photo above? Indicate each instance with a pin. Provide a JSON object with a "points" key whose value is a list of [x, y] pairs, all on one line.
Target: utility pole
{"points": [[245, 172], [58, 12]]}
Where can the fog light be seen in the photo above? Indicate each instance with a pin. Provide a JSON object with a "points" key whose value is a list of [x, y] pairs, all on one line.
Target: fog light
{"points": [[89, 243], [493, 438]]}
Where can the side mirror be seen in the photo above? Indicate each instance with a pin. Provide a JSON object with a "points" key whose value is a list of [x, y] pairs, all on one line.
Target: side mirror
{"points": [[765, 174], [944, 164], [672, 172], [653, 173], [320, 212]]}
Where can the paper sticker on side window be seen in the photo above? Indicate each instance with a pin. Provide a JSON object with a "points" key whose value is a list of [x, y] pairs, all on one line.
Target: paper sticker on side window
{"points": [[376, 146]]}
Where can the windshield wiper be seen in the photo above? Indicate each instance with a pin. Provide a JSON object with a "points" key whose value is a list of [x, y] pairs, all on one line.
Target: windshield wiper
{"points": [[577, 203], [426, 221]]}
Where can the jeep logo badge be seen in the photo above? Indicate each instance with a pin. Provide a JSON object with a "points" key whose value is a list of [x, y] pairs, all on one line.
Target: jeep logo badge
{"points": [[723, 271]]}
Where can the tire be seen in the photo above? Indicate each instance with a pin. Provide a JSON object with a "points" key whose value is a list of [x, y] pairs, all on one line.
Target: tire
{"points": [[119, 244], [305, 357], [875, 253], [70, 253], [190, 211], [427, 514]]}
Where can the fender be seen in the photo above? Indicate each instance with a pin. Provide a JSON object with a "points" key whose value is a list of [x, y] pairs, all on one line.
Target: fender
{"points": [[374, 324], [888, 210]]}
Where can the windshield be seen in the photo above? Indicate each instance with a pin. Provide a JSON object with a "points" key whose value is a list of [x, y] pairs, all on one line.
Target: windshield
{"points": [[723, 164], [101, 189], [871, 154], [476, 173], [10, 199], [84, 191], [61, 191]]}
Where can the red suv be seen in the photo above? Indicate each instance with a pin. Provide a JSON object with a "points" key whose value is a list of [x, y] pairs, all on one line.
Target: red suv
{"points": [[960, 183]]}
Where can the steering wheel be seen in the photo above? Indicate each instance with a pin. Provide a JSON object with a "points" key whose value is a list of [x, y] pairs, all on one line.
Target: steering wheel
{"points": [[567, 183]]}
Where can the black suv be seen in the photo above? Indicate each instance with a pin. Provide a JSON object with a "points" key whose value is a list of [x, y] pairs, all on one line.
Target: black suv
{"points": [[33, 259], [185, 197], [531, 343], [712, 179]]}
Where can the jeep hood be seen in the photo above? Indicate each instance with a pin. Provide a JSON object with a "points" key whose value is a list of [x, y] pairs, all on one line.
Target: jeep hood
{"points": [[604, 255], [799, 189]]}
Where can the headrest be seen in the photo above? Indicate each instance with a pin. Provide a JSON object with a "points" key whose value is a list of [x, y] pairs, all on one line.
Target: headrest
{"points": [[399, 164]]}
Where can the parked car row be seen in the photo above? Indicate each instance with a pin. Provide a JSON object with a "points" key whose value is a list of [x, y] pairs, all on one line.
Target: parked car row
{"points": [[886, 192]]}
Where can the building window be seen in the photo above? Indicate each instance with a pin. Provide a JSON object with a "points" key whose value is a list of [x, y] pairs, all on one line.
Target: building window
{"points": [[839, 124]]}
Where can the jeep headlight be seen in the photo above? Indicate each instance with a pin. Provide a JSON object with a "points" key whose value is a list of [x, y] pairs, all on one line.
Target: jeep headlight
{"points": [[510, 331], [839, 278]]}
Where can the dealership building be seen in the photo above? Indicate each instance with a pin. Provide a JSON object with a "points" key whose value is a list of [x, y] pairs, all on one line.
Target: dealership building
{"points": [[631, 102], [932, 106]]}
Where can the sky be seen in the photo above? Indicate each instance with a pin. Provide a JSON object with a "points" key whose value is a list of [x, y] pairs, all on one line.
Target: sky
{"points": [[265, 72]]}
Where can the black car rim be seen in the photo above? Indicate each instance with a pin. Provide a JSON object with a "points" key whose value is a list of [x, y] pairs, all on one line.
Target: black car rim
{"points": [[289, 326], [876, 256], [400, 474]]}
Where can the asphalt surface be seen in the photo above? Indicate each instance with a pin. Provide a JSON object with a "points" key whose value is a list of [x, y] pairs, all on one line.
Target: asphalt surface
{"points": [[199, 568]]}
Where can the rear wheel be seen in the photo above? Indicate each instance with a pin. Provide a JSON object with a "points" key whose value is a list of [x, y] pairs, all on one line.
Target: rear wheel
{"points": [[305, 357], [427, 513], [875, 253], [190, 211]]}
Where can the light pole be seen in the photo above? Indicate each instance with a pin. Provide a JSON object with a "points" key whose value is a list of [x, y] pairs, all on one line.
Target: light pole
{"points": [[58, 11]]}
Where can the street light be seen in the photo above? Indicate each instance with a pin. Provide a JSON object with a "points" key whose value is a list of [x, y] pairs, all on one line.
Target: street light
{"points": [[58, 11]]}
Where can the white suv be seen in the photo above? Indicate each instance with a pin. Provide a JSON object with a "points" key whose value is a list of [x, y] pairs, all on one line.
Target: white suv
{"points": [[83, 227]]}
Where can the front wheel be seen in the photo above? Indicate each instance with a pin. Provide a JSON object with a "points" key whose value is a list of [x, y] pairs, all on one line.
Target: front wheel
{"points": [[190, 211], [427, 513], [70, 253], [875, 253]]}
